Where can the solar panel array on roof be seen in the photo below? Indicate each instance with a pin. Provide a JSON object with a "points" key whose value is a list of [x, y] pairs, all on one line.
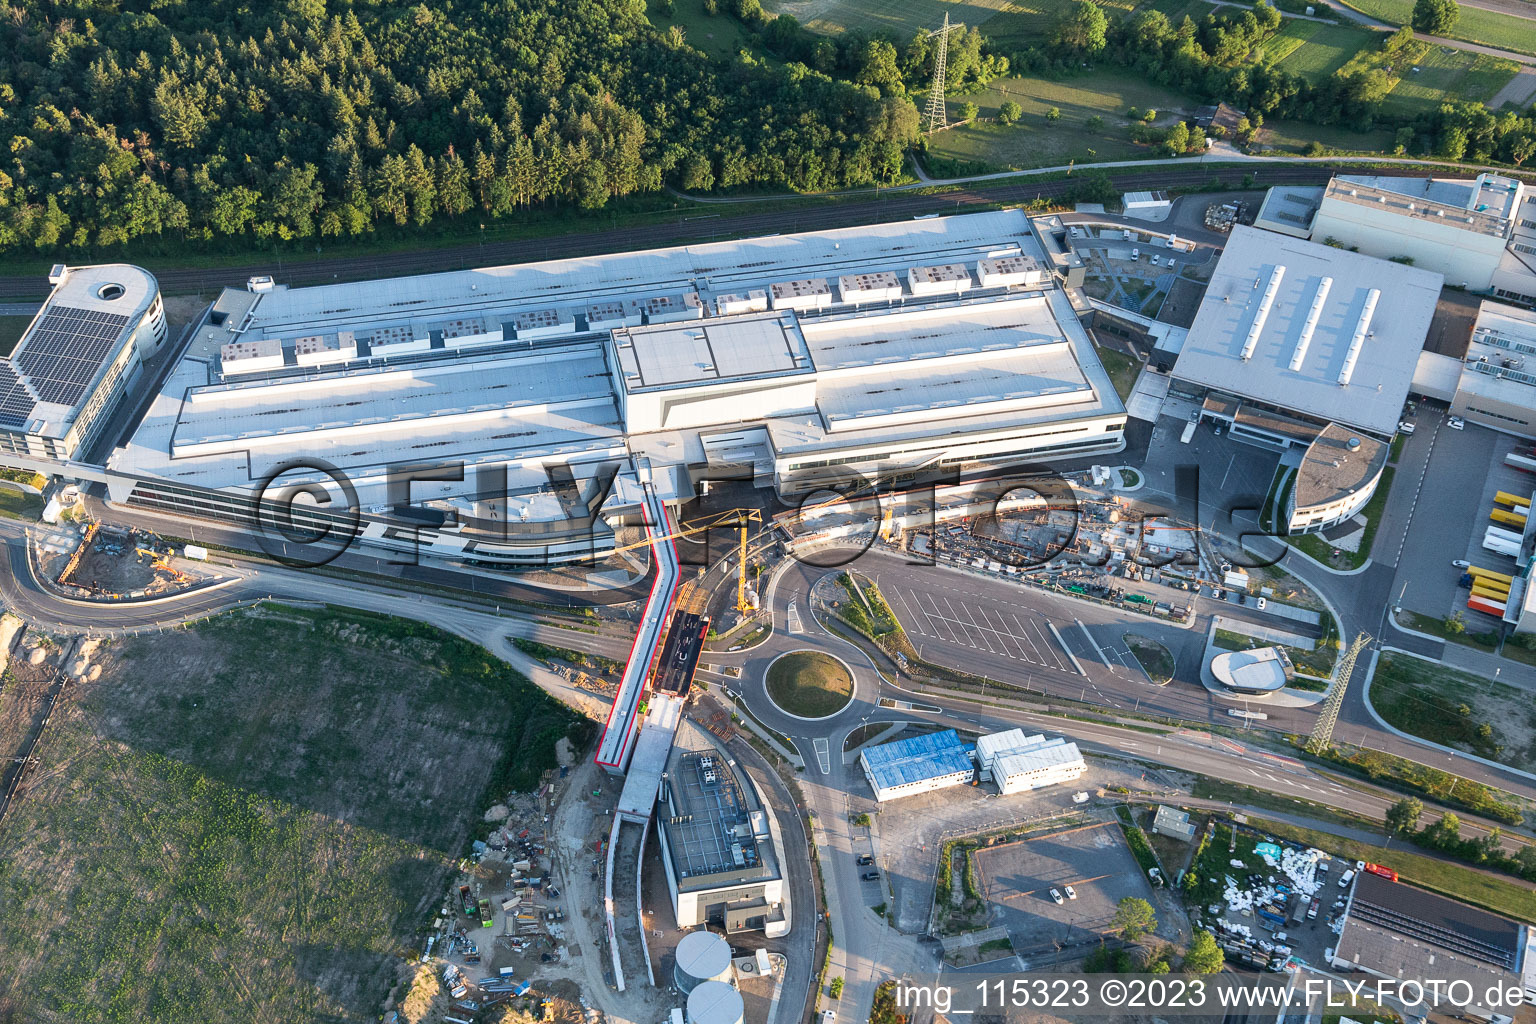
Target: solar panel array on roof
{"points": [[65, 349], [16, 401]]}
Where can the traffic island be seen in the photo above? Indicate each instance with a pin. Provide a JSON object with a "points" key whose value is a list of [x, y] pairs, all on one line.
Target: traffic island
{"points": [[809, 685]]}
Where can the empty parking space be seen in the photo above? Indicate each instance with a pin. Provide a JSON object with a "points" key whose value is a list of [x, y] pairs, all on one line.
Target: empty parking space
{"points": [[1017, 880], [989, 625]]}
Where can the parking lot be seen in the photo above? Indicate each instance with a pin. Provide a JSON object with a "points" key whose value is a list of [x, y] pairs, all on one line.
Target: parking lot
{"points": [[985, 622], [1017, 880], [907, 833], [1465, 468]]}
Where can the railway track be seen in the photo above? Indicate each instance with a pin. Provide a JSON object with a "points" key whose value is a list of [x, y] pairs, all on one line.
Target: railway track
{"points": [[687, 228]]}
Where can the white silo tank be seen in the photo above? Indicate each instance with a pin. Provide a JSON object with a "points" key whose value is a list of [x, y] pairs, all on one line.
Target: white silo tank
{"points": [[714, 1002], [701, 956]]}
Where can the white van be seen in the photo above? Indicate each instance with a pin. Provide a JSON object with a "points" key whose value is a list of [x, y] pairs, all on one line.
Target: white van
{"points": [[1346, 878]]}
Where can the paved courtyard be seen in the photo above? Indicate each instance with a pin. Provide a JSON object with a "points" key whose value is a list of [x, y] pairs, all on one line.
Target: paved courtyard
{"points": [[1093, 859]]}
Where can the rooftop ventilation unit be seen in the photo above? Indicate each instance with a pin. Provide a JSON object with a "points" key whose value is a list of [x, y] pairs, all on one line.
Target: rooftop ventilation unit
{"points": [[1361, 329], [1276, 276], [1307, 328]]}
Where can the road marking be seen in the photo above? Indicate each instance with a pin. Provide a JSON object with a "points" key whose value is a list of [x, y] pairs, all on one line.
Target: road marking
{"points": [[823, 755], [792, 619]]}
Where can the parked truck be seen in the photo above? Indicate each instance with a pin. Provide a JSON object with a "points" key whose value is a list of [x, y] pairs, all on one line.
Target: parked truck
{"points": [[487, 919]]}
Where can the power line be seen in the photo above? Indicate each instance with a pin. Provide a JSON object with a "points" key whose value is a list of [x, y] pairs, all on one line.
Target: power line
{"points": [[1322, 732], [936, 117]]}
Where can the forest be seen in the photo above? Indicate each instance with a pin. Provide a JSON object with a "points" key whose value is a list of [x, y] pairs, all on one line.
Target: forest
{"points": [[298, 119]]}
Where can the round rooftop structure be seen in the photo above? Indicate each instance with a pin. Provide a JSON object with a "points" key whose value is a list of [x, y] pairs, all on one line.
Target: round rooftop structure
{"points": [[701, 957], [714, 1002], [1256, 673]]}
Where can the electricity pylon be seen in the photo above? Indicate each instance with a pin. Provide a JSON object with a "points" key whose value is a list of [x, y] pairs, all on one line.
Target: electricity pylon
{"points": [[1322, 732], [936, 117]]}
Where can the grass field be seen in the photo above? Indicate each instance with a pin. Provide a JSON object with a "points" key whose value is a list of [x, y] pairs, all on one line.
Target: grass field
{"points": [[1475, 25], [1446, 73], [719, 35], [1035, 142], [1452, 708], [1323, 48], [1122, 370], [1155, 659], [18, 504], [809, 684], [251, 819], [900, 17]]}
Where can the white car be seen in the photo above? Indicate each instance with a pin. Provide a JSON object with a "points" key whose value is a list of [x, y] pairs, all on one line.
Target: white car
{"points": [[1056, 895], [1455, 422], [1135, 255], [1156, 259], [1071, 892], [1262, 602], [1461, 563], [1127, 234], [1405, 427]]}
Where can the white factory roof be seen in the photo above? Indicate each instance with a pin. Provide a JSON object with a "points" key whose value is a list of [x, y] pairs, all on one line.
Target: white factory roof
{"points": [[552, 403], [1048, 754], [968, 365], [1285, 302], [736, 267], [744, 347]]}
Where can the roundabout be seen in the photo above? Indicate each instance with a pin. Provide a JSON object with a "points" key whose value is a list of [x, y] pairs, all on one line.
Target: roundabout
{"points": [[809, 685]]}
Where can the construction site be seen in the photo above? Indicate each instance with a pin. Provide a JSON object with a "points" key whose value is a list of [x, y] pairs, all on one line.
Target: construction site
{"points": [[113, 563]]}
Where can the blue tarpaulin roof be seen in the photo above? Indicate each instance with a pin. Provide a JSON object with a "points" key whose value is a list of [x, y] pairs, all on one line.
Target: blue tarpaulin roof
{"points": [[916, 759]]}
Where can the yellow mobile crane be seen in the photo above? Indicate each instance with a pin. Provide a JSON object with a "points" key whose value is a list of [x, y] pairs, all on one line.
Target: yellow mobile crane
{"points": [[739, 517]]}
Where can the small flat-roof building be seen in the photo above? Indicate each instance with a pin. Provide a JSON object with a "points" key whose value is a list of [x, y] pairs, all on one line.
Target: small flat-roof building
{"points": [[1289, 210], [1174, 823], [1393, 930], [1256, 673], [919, 764], [1497, 385], [1142, 203], [81, 352]]}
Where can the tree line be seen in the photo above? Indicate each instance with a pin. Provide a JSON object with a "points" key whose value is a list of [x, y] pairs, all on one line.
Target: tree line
{"points": [[1218, 58], [209, 119]]}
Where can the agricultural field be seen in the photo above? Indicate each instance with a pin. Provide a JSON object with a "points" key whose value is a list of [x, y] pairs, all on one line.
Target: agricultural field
{"points": [[1475, 25], [1445, 73], [1036, 142], [1322, 50], [902, 18], [1293, 136], [251, 819]]}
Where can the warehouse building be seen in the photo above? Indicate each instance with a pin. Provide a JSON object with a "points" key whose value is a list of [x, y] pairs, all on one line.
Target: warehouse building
{"points": [[720, 846], [1394, 930], [919, 764], [886, 350], [81, 353], [1456, 227], [1297, 344], [1044, 763], [1016, 763]]}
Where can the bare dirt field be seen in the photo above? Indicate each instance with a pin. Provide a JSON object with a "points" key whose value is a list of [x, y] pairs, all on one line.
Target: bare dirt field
{"points": [[254, 818]]}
